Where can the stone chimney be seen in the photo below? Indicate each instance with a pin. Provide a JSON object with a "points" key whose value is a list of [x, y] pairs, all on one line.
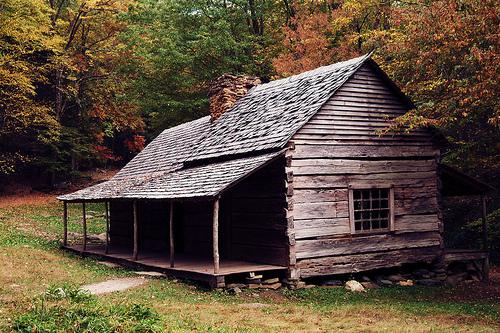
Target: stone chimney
{"points": [[226, 90]]}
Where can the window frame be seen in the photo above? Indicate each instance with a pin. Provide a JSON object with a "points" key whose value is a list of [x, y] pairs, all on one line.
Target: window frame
{"points": [[351, 190]]}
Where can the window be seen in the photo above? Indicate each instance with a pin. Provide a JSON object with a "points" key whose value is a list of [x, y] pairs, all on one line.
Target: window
{"points": [[371, 209]]}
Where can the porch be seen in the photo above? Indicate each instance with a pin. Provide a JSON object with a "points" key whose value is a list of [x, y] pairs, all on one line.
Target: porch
{"points": [[240, 229], [465, 198], [186, 266]]}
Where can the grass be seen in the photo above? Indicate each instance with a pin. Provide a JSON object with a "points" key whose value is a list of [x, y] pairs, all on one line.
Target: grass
{"points": [[39, 293]]}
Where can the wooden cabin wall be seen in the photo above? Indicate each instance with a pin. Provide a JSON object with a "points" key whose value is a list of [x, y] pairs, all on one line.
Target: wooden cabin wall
{"points": [[339, 147], [195, 231], [121, 227], [153, 221], [253, 215]]}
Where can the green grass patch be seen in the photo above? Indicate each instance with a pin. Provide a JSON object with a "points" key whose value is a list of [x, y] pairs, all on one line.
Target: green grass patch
{"points": [[67, 309], [416, 300]]}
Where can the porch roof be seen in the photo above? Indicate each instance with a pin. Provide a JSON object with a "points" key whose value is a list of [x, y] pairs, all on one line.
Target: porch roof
{"points": [[207, 181], [457, 183]]}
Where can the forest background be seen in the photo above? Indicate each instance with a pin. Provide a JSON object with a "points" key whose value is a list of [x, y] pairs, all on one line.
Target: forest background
{"points": [[87, 83]]}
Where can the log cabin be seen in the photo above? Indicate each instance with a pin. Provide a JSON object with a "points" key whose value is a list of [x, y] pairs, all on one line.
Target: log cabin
{"points": [[290, 176]]}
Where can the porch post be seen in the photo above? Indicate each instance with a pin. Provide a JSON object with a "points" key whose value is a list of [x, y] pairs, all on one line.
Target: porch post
{"points": [[215, 235], [485, 222], [486, 262], [106, 215], [84, 223], [171, 233], [65, 223], [135, 253]]}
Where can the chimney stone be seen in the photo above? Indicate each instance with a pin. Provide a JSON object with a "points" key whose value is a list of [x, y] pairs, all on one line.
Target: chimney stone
{"points": [[226, 90]]}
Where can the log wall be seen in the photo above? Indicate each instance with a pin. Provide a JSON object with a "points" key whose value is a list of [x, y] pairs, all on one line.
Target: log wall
{"points": [[253, 217], [340, 147], [152, 221]]}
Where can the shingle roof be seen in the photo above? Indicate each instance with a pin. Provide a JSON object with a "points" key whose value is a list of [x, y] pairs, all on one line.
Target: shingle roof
{"points": [[271, 113], [197, 182], [167, 151], [262, 121]]}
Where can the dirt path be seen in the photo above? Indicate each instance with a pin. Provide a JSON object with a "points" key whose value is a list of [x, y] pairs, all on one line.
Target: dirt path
{"points": [[114, 285]]}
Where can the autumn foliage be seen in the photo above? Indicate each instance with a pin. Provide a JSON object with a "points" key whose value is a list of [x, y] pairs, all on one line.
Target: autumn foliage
{"points": [[86, 83]]}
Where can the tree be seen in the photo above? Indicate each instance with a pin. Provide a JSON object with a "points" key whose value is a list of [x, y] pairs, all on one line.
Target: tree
{"points": [[447, 60], [180, 46], [26, 45]]}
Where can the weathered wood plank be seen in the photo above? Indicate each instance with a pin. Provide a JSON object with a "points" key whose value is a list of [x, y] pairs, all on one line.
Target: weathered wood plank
{"points": [[416, 223], [318, 210], [336, 181], [361, 167], [364, 262], [321, 151], [416, 206], [321, 227], [374, 243], [353, 140], [319, 195], [457, 255]]}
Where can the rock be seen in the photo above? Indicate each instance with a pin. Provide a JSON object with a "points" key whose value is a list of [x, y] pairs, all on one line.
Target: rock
{"points": [[235, 285], [271, 281], [455, 278], [369, 285], [332, 283], [253, 279], [255, 276], [109, 264], [365, 278], [429, 282], [254, 285], [355, 286], [385, 283], [309, 286], [150, 274], [440, 277], [425, 276], [273, 286], [395, 278], [420, 272], [234, 291], [406, 283], [300, 285]]}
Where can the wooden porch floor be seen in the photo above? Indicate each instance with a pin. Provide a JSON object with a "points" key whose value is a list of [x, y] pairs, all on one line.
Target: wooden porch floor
{"points": [[187, 266]]}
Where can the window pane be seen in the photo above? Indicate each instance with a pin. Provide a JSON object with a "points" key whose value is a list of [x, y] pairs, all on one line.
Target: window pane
{"points": [[371, 209], [366, 225], [366, 204]]}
